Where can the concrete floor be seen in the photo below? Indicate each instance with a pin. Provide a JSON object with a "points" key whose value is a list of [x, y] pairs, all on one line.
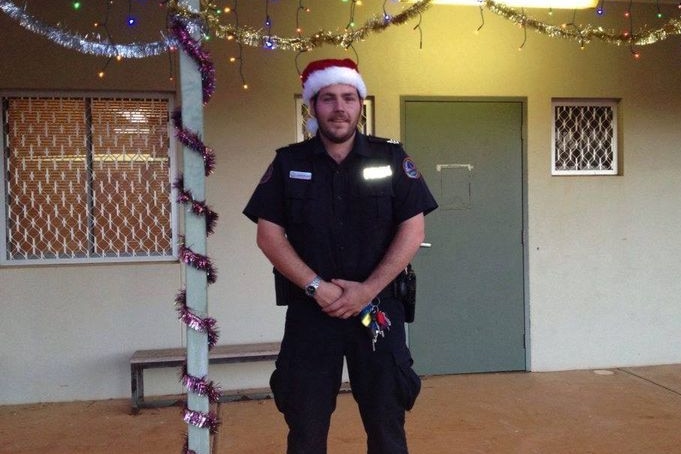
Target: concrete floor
{"points": [[618, 411]]}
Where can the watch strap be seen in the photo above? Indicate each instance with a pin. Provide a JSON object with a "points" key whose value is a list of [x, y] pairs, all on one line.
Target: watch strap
{"points": [[311, 288]]}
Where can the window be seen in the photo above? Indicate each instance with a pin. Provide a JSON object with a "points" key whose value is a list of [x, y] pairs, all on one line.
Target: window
{"points": [[584, 138], [87, 179]]}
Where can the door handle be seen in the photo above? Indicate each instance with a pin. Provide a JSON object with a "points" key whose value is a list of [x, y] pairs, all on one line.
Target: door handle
{"points": [[426, 244]]}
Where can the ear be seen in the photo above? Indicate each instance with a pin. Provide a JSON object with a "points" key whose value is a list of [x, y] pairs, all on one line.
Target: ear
{"points": [[311, 109]]}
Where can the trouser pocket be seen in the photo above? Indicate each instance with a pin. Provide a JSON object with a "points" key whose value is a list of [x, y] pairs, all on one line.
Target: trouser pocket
{"points": [[408, 382], [280, 389]]}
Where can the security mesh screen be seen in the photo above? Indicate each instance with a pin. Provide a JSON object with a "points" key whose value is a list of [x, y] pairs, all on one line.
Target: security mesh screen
{"points": [[87, 178], [584, 139]]}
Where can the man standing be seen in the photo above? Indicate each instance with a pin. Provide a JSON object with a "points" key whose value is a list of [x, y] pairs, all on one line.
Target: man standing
{"points": [[340, 216]]}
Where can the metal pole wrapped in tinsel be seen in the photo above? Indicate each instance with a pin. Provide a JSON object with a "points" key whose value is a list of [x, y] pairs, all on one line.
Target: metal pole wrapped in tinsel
{"points": [[197, 78]]}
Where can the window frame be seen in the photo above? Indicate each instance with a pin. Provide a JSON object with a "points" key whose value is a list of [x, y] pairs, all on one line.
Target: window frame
{"points": [[613, 104], [5, 261]]}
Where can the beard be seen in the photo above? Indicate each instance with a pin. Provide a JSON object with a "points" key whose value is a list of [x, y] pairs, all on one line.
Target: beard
{"points": [[338, 133]]}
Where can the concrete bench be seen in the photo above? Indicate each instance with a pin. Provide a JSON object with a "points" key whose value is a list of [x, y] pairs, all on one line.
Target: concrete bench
{"points": [[176, 357]]}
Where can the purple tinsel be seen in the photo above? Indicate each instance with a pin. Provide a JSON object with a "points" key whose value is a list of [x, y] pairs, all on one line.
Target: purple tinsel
{"points": [[206, 325], [200, 55], [198, 261], [199, 208], [192, 141], [200, 386], [208, 420]]}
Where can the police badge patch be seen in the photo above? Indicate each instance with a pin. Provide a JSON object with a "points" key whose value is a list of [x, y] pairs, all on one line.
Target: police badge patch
{"points": [[267, 175], [410, 169]]}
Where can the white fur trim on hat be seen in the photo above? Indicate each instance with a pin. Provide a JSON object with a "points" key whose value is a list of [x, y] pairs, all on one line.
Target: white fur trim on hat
{"points": [[330, 76]]}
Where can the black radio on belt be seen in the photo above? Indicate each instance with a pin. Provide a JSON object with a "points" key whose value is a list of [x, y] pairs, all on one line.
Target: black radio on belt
{"points": [[405, 290]]}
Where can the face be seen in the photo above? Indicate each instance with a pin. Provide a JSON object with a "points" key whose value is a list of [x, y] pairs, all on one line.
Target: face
{"points": [[337, 109]]}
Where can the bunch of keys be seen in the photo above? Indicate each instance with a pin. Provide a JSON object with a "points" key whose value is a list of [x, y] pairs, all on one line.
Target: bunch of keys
{"points": [[375, 320]]}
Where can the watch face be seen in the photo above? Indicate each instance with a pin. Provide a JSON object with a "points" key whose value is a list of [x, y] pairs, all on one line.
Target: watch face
{"points": [[310, 289]]}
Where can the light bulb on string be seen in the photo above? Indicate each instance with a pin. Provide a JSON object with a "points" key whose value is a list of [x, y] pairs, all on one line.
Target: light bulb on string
{"points": [[102, 72], [131, 20], [634, 52], [600, 11]]}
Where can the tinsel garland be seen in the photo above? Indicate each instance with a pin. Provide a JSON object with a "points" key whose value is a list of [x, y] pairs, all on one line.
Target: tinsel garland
{"points": [[199, 262], [196, 50], [199, 208], [197, 385], [192, 141], [200, 386], [583, 34], [85, 44], [206, 325], [261, 38], [202, 420]]}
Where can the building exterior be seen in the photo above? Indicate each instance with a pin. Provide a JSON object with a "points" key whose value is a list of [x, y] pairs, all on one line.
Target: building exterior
{"points": [[600, 252]]}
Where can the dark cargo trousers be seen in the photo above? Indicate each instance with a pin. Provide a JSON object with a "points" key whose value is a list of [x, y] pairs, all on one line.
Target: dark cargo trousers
{"points": [[309, 369]]}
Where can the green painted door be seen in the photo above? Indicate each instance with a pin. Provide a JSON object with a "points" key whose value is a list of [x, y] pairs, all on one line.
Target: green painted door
{"points": [[470, 314]]}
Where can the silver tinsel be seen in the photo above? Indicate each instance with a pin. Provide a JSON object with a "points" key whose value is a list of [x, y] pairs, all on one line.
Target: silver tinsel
{"points": [[84, 44]]}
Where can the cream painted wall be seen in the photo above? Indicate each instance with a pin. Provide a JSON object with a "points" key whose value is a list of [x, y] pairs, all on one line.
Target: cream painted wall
{"points": [[603, 252]]}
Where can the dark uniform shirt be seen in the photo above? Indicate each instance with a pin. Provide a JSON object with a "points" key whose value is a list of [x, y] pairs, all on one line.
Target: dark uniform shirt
{"points": [[341, 218]]}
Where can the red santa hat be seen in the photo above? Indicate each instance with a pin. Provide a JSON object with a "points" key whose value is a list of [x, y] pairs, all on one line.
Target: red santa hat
{"points": [[322, 73]]}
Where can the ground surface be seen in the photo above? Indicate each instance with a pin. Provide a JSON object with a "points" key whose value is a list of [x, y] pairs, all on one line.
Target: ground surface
{"points": [[622, 411]]}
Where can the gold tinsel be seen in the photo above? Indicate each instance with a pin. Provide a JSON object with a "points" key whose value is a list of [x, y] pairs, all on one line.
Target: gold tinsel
{"points": [[582, 34], [258, 38]]}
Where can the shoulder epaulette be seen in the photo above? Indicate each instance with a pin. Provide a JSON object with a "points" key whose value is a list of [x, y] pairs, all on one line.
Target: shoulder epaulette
{"points": [[298, 146], [383, 140]]}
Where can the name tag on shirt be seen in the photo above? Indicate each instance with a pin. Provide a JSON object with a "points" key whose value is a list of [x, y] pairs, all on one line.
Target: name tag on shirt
{"points": [[298, 175]]}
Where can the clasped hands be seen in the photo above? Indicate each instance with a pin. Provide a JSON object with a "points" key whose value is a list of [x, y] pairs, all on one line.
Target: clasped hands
{"points": [[342, 299]]}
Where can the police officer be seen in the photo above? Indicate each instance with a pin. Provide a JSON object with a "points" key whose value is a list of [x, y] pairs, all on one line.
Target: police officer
{"points": [[340, 216]]}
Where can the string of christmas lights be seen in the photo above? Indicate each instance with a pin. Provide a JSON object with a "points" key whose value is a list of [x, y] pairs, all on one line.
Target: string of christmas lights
{"points": [[256, 37]]}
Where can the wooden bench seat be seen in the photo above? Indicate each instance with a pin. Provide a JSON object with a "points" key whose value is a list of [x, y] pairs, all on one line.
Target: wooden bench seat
{"points": [[176, 357]]}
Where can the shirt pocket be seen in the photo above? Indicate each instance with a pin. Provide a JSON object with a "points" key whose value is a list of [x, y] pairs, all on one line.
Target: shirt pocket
{"points": [[298, 201], [375, 201]]}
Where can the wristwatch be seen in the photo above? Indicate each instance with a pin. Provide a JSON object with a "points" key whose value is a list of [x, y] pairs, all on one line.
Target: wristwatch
{"points": [[311, 288]]}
